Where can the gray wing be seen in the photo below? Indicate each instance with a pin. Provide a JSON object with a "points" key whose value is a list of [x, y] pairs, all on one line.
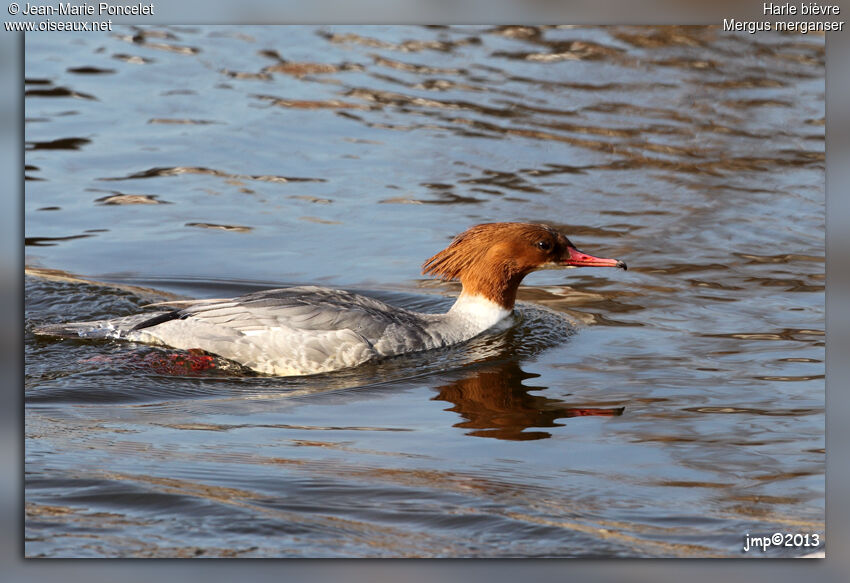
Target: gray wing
{"points": [[297, 330], [304, 308]]}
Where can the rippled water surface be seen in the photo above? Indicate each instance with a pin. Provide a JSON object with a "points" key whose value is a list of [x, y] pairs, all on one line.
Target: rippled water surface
{"points": [[664, 411]]}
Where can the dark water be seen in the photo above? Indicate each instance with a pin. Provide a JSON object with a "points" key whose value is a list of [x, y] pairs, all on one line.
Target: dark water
{"points": [[664, 411]]}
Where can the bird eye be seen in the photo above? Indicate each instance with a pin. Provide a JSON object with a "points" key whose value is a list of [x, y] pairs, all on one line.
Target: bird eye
{"points": [[544, 245]]}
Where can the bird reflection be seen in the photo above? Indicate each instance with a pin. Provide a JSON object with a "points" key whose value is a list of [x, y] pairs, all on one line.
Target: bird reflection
{"points": [[494, 403]]}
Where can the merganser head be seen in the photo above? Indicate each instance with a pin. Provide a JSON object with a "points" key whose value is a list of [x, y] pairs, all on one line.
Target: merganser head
{"points": [[490, 260]]}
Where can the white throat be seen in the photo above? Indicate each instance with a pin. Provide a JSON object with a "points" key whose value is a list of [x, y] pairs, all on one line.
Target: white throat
{"points": [[479, 312]]}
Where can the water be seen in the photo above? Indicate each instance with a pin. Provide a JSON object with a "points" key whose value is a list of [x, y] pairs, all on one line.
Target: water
{"points": [[665, 411]]}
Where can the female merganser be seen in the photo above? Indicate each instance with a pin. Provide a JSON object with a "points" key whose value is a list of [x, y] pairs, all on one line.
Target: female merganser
{"points": [[306, 330]]}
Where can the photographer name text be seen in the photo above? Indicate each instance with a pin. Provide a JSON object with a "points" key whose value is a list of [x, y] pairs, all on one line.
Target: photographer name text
{"points": [[87, 9]]}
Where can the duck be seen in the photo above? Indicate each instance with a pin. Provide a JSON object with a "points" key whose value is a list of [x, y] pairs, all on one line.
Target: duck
{"points": [[306, 330]]}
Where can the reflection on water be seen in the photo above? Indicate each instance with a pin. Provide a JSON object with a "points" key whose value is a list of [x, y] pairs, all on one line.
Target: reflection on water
{"points": [[666, 411], [495, 403]]}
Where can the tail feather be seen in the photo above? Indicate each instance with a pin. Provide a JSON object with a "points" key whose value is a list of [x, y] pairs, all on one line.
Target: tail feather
{"points": [[114, 328]]}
